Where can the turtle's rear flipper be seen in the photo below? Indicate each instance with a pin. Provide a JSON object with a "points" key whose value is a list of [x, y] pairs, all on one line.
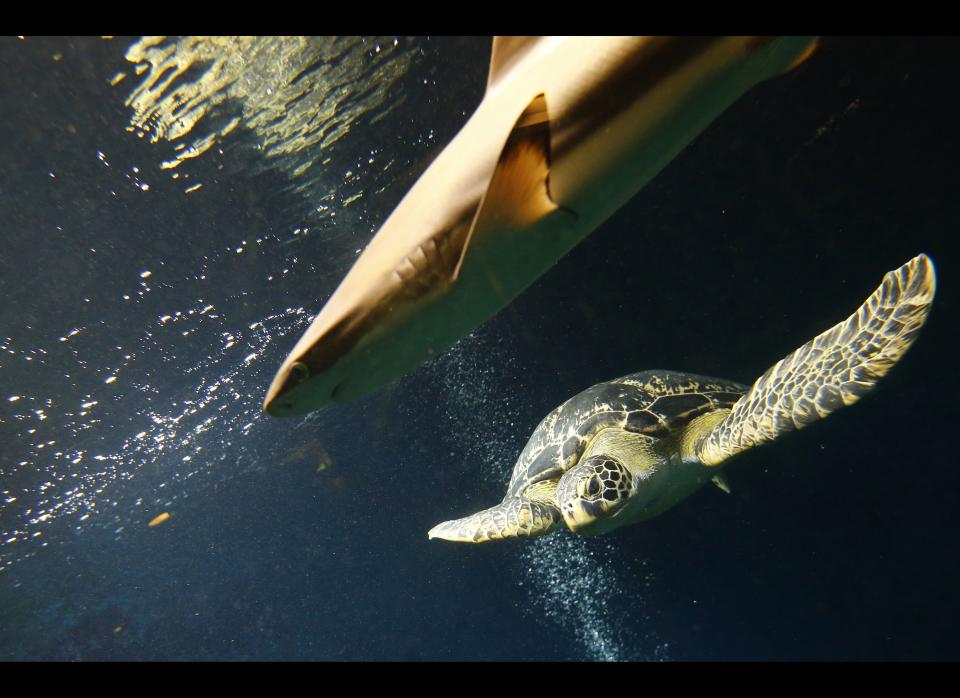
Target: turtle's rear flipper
{"points": [[511, 518], [832, 370]]}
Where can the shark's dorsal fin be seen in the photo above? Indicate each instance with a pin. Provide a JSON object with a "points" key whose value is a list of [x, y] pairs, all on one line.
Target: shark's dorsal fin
{"points": [[518, 193], [506, 51]]}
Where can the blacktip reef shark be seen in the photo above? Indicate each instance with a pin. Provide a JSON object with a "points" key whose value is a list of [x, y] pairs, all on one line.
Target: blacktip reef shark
{"points": [[568, 130]]}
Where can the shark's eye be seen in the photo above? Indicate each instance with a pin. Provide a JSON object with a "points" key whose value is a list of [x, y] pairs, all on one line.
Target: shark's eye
{"points": [[299, 372]]}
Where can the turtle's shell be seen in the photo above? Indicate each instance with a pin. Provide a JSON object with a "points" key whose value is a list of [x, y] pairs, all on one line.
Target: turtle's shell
{"points": [[650, 402]]}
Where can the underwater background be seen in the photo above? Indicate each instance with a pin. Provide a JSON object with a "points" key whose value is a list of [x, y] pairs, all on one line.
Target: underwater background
{"points": [[174, 212]]}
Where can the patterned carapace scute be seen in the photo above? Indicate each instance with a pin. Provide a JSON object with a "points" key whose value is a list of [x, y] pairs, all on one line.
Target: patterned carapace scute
{"points": [[650, 402]]}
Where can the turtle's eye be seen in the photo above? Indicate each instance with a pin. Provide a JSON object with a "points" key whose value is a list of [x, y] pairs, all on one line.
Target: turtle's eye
{"points": [[592, 487], [299, 372]]}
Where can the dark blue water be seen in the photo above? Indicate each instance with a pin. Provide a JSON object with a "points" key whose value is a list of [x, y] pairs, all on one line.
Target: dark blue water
{"points": [[138, 393]]}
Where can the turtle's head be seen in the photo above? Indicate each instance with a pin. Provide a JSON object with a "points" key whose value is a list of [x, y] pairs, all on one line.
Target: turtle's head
{"points": [[592, 494]]}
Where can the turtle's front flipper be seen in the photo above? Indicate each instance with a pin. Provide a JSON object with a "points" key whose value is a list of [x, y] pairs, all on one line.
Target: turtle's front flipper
{"points": [[533, 513], [832, 370]]}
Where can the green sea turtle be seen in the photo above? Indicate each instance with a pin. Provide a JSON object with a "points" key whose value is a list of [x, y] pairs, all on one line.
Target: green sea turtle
{"points": [[631, 448]]}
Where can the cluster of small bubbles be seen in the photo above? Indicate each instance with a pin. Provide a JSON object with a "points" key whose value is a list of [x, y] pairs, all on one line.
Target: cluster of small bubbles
{"points": [[481, 427], [573, 583]]}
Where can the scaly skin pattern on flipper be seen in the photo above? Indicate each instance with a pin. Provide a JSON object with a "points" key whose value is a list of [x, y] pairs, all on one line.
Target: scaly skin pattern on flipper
{"points": [[533, 514], [653, 403], [833, 370]]}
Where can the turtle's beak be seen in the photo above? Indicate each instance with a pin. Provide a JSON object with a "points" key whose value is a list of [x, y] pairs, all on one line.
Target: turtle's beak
{"points": [[582, 516]]}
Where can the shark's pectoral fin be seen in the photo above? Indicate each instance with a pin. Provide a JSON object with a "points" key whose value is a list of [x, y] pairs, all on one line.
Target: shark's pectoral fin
{"points": [[518, 194]]}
